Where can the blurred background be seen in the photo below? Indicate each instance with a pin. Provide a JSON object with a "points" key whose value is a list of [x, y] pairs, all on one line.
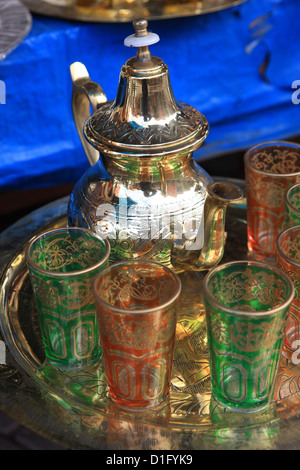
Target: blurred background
{"points": [[237, 62]]}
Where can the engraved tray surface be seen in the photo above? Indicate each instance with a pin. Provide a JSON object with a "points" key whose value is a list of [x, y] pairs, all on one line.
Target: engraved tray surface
{"points": [[73, 408], [127, 10]]}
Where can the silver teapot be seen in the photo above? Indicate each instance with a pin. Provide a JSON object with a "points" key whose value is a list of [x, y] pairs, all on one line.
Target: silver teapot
{"points": [[144, 191]]}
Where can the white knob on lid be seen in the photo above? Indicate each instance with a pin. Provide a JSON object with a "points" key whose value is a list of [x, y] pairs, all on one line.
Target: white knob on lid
{"points": [[142, 37], [134, 41]]}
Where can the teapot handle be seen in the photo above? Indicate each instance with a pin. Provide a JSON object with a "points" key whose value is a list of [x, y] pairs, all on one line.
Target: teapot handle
{"points": [[211, 235], [85, 94]]}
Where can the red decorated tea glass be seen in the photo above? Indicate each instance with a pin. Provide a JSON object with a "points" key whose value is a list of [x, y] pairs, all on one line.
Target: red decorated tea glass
{"points": [[270, 170], [288, 258], [136, 306]]}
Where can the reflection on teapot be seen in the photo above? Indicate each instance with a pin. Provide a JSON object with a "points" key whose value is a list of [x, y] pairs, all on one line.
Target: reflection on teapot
{"points": [[145, 192]]}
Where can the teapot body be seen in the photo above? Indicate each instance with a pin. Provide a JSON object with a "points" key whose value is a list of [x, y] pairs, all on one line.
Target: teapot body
{"points": [[142, 206]]}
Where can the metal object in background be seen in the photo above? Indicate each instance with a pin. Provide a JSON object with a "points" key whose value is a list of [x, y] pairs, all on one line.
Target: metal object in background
{"points": [[15, 24], [125, 10]]}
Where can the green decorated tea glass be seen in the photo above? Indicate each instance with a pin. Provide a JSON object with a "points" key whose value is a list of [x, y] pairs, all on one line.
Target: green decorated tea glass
{"points": [[292, 206], [62, 264], [247, 305]]}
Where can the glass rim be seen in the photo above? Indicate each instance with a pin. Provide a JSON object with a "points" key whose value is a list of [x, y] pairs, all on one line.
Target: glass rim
{"points": [[278, 143], [257, 313], [280, 252], [76, 272], [286, 198], [101, 301]]}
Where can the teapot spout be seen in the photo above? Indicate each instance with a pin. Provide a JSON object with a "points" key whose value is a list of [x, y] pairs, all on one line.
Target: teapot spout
{"points": [[85, 94], [186, 254]]}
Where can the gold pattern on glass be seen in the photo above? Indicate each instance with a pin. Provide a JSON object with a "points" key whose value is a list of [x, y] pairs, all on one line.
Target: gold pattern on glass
{"points": [[276, 161], [242, 287], [63, 251]]}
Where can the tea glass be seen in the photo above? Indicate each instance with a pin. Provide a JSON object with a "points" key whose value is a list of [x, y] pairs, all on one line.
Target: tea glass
{"points": [[136, 306], [288, 258], [62, 264], [247, 305], [270, 170], [292, 206]]}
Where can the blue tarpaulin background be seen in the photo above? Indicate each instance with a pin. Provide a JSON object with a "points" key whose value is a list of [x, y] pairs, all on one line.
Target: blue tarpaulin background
{"points": [[236, 66]]}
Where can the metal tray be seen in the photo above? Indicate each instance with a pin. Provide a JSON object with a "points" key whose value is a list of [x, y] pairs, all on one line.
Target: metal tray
{"points": [[73, 408], [127, 10]]}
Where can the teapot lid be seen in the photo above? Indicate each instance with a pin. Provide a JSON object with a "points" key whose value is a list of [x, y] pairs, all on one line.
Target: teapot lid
{"points": [[145, 119]]}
